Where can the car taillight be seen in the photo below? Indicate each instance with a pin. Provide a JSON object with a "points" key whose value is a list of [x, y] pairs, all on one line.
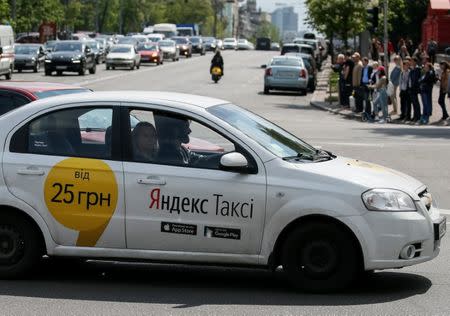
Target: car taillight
{"points": [[269, 72], [303, 73]]}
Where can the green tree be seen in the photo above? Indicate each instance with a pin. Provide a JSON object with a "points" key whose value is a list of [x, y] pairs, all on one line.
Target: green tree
{"points": [[31, 13], [337, 18], [4, 11]]}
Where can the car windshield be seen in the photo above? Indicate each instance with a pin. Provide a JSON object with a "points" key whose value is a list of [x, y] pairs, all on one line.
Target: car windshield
{"points": [[93, 45], [53, 93], [181, 40], [147, 47], [285, 62], [268, 135], [68, 47], [166, 44], [126, 40], [310, 43], [195, 40], [120, 49], [25, 50], [154, 39]]}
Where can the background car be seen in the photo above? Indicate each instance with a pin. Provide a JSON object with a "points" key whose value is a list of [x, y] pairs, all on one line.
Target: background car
{"points": [[155, 37], [198, 46], [230, 43], [14, 94], [72, 56], [127, 40], [310, 64], [140, 38], [219, 44], [210, 43], [100, 54], [150, 53], [286, 73], [275, 46], [184, 45], [28, 56], [169, 49], [123, 55], [263, 43], [244, 44]]}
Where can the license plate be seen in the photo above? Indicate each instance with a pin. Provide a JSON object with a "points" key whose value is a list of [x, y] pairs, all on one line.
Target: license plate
{"points": [[145, 58], [440, 228], [285, 75], [61, 67]]}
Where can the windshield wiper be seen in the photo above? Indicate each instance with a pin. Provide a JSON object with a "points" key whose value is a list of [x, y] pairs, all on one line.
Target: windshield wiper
{"points": [[323, 155], [299, 156]]}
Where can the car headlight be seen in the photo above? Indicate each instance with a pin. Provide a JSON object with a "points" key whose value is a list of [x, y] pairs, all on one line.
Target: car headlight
{"points": [[48, 60], [33, 59], [155, 55], [388, 200]]}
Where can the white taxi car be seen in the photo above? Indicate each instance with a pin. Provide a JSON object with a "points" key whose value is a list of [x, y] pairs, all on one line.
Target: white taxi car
{"points": [[108, 175]]}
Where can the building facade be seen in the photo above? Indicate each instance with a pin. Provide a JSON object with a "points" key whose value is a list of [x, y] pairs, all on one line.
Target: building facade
{"points": [[286, 20]]}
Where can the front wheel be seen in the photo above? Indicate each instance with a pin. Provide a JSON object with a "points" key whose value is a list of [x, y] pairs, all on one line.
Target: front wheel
{"points": [[266, 90], [20, 246], [36, 68], [93, 69], [320, 257]]}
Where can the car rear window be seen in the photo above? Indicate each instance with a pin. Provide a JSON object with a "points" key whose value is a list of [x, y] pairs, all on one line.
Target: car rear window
{"points": [[52, 93], [285, 62]]}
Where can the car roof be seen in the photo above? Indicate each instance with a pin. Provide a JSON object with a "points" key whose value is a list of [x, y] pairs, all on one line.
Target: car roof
{"points": [[35, 86], [177, 100]]}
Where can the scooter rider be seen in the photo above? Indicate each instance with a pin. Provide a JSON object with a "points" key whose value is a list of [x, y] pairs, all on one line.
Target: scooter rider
{"points": [[217, 61]]}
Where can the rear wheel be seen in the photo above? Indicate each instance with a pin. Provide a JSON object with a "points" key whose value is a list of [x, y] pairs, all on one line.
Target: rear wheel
{"points": [[20, 246], [320, 257], [266, 90]]}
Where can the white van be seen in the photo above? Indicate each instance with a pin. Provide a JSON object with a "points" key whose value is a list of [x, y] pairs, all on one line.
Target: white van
{"points": [[169, 30], [6, 51]]}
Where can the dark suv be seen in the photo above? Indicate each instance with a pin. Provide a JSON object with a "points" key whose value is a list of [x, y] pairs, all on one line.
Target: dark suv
{"points": [[73, 56], [198, 46]]}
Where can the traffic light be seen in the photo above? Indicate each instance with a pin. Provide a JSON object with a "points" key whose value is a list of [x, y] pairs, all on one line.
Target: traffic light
{"points": [[373, 18]]}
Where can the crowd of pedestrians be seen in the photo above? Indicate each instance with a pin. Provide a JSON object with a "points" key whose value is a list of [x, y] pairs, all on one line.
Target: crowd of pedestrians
{"points": [[366, 88]]}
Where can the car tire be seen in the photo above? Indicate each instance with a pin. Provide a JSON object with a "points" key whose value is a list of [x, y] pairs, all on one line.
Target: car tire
{"points": [[59, 73], [19, 70], [174, 59], [133, 66], [266, 90], [93, 69], [138, 66], [303, 92], [8, 76], [82, 70], [36, 68], [48, 73], [108, 67], [113, 68], [320, 257], [21, 248]]}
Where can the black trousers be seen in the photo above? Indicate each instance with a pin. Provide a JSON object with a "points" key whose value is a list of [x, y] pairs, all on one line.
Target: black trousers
{"points": [[359, 98], [405, 104], [441, 102], [416, 104], [348, 89]]}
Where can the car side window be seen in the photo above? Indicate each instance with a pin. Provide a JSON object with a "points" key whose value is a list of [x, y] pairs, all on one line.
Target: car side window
{"points": [[79, 132], [169, 139], [6, 103]]}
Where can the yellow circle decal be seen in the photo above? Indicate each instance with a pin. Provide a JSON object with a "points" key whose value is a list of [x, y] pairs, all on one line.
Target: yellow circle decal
{"points": [[81, 194]]}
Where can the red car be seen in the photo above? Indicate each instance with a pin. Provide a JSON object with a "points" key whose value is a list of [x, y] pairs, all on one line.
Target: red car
{"points": [[14, 94], [150, 53]]}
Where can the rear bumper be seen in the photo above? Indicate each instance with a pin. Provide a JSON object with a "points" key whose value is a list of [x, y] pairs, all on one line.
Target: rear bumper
{"points": [[286, 84]]}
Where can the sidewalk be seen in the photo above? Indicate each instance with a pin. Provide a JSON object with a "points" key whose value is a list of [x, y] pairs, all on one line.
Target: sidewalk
{"points": [[321, 94]]}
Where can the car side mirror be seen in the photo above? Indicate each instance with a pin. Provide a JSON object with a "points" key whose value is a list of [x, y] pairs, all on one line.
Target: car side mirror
{"points": [[234, 162], [264, 66]]}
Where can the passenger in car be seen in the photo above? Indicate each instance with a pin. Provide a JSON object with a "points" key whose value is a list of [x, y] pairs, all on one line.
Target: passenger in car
{"points": [[144, 142]]}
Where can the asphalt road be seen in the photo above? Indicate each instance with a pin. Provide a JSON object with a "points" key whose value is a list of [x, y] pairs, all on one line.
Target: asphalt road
{"points": [[123, 288]]}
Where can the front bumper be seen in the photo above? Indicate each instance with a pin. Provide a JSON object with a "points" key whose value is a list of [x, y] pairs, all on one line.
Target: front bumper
{"points": [[150, 59], [67, 66], [120, 63], [21, 64], [386, 234]]}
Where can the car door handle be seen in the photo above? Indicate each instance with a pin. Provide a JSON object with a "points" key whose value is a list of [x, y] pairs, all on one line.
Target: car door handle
{"points": [[152, 180], [31, 171]]}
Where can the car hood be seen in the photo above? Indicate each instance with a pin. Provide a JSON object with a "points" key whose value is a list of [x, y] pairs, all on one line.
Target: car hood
{"points": [[120, 55], [24, 56], [362, 174], [65, 55]]}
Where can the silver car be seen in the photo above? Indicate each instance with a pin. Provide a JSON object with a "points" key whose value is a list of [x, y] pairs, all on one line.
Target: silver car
{"points": [[169, 49], [123, 55], [286, 73]]}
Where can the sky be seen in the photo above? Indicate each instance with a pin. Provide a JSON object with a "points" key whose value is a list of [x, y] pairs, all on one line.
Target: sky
{"points": [[299, 7]]}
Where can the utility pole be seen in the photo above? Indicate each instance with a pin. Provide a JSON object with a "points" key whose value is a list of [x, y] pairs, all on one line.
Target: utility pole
{"points": [[386, 39], [120, 16], [13, 10]]}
